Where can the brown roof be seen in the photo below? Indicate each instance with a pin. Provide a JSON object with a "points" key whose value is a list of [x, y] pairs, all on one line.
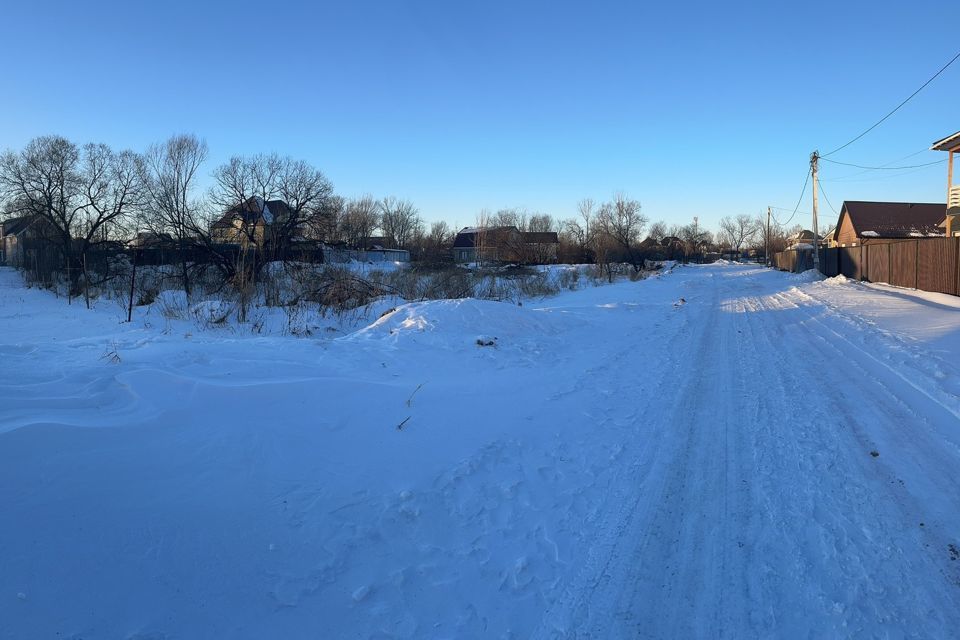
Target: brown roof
{"points": [[541, 237], [950, 143], [13, 226], [893, 219], [251, 211], [467, 237]]}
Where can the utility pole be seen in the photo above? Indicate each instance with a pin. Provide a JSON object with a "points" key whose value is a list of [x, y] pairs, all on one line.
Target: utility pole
{"points": [[814, 157], [766, 241], [696, 234]]}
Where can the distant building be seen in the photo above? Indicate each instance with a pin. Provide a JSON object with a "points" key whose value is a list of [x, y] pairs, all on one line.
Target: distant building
{"points": [[250, 223], [145, 239], [505, 244], [801, 240], [13, 234]]}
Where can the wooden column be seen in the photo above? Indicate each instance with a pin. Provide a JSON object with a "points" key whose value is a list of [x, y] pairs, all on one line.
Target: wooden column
{"points": [[949, 172], [950, 230]]}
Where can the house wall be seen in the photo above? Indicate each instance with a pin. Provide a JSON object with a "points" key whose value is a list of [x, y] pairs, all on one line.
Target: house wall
{"points": [[847, 235], [953, 223], [236, 235], [464, 254], [12, 251], [542, 253]]}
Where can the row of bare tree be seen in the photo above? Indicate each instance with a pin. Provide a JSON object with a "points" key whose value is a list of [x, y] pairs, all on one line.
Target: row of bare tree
{"points": [[81, 197]]}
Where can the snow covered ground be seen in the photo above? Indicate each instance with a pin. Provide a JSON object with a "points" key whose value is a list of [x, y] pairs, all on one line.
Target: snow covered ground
{"points": [[722, 451]]}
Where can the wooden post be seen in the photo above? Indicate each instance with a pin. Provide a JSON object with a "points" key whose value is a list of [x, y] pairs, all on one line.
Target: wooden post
{"points": [[86, 282], [133, 279], [950, 230], [814, 157], [949, 173], [766, 241]]}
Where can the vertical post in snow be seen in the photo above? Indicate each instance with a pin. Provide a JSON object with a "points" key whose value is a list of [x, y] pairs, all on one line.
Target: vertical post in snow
{"points": [[816, 235], [133, 279], [86, 284], [766, 241]]}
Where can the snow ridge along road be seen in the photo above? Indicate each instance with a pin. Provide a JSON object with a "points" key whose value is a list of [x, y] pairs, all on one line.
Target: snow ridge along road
{"points": [[773, 512], [776, 456]]}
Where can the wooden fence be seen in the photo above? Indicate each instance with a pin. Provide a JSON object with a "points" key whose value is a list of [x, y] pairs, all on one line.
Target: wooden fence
{"points": [[928, 264]]}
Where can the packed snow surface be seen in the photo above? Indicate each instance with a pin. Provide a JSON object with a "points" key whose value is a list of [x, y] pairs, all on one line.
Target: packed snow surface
{"points": [[723, 451]]}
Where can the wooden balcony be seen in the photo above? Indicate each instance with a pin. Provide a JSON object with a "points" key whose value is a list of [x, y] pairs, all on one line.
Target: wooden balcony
{"points": [[953, 199]]}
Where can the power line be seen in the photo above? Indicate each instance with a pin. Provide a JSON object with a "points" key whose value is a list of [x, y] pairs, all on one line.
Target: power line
{"points": [[824, 194], [897, 108], [885, 164], [875, 177], [799, 200], [806, 213], [859, 166]]}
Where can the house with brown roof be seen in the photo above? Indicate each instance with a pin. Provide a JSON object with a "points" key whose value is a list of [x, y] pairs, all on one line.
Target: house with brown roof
{"points": [[13, 233], [249, 222], [951, 221], [505, 244], [861, 222]]}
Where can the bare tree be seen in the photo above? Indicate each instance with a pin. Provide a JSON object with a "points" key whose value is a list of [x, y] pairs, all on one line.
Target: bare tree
{"points": [[400, 221], [78, 195], [359, 220], [541, 223], [602, 243], [436, 243], [170, 177], [299, 191], [738, 231], [43, 181], [586, 209], [483, 239], [307, 194], [622, 222], [509, 218], [658, 231], [695, 239], [323, 225]]}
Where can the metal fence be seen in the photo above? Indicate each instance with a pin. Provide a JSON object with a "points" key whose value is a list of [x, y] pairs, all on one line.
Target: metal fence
{"points": [[928, 264]]}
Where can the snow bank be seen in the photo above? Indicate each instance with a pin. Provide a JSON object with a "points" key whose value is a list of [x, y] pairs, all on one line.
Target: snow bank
{"points": [[810, 275], [837, 279], [455, 324]]}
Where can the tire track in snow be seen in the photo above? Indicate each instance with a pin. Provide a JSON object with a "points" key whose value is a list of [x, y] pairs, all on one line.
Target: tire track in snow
{"points": [[845, 493], [819, 551], [643, 546], [903, 423]]}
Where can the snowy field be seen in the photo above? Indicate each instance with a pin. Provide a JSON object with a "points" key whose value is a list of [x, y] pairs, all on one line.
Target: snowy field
{"points": [[769, 456]]}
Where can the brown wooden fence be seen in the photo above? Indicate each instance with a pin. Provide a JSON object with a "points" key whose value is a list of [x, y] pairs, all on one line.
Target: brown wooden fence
{"points": [[928, 264]]}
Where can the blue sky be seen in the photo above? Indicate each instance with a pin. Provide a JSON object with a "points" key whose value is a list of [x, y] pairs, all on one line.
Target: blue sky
{"points": [[694, 109]]}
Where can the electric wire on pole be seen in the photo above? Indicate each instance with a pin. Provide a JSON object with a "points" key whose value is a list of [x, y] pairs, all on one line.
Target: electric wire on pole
{"points": [[766, 241], [814, 157]]}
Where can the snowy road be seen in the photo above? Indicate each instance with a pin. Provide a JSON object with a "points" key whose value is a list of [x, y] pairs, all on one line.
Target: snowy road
{"points": [[771, 457], [758, 508]]}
